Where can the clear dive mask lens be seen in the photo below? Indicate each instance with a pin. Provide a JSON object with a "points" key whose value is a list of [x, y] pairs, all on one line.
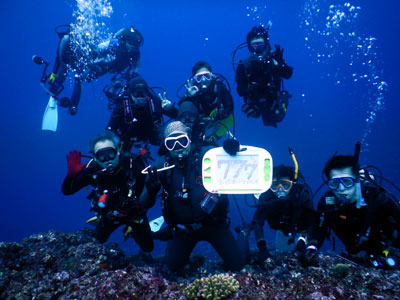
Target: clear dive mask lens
{"points": [[258, 47], [347, 182], [106, 154], [285, 184], [177, 142], [203, 76], [139, 96]]}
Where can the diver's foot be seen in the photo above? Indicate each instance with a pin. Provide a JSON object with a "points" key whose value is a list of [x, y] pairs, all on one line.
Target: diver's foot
{"points": [[65, 102], [73, 110]]}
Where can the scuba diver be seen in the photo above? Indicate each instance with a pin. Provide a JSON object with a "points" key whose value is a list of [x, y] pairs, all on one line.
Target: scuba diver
{"points": [[213, 103], [138, 114], [117, 185], [191, 213], [260, 77], [360, 211], [115, 55], [286, 206]]}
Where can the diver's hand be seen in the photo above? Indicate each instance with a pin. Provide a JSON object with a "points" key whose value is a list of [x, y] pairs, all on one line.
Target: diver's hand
{"points": [[263, 252], [74, 164], [191, 89], [165, 103], [300, 246], [279, 54], [231, 146], [251, 110], [361, 241], [309, 257], [153, 183]]}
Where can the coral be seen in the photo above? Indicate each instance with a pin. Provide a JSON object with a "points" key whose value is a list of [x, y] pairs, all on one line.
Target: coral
{"points": [[215, 287], [58, 265]]}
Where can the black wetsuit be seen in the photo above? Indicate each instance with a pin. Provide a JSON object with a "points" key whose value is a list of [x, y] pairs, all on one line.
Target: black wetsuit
{"points": [[139, 124], [259, 79], [183, 193], [216, 97], [123, 207], [370, 228], [290, 215]]}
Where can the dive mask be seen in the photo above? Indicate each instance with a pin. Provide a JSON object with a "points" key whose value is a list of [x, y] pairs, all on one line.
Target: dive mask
{"points": [[284, 184], [106, 154], [347, 182], [177, 142], [139, 96], [202, 80], [258, 47]]}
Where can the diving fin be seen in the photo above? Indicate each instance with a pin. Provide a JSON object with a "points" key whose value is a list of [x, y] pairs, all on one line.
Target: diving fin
{"points": [[156, 224], [50, 117]]}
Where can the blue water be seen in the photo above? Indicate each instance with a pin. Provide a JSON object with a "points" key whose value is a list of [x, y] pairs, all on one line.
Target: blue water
{"points": [[330, 110]]}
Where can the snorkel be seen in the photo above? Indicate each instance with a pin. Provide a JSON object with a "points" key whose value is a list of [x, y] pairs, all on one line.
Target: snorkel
{"points": [[296, 165], [360, 200]]}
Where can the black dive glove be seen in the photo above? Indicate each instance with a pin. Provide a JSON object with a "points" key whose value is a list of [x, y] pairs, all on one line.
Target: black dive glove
{"points": [[263, 252], [279, 54], [300, 246], [153, 183], [309, 257], [251, 110], [231, 146]]}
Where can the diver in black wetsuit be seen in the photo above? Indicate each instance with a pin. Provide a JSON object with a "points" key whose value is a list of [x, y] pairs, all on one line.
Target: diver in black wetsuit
{"points": [[114, 55], [138, 114], [259, 79], [192, 213], [118, 183], [213, 101], [286, 206], [362, 214]]}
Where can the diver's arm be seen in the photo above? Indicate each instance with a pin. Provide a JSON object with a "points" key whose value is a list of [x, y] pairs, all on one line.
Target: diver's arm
{"points": [[241, 80], [227, 103], [71, 185], [171, 112], [392, 209], [259, 219], [152, 187], [318, 228]]}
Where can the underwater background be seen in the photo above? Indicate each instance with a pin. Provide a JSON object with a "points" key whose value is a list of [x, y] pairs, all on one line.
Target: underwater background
{"points": [[345, 89]]}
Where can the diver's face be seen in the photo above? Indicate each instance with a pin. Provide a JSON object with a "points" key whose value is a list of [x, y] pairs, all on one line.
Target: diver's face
{"points": [[281, 187], [106, 155], [258, 45], [178, 145], [347, 194], [139, 97], [202, 79]]}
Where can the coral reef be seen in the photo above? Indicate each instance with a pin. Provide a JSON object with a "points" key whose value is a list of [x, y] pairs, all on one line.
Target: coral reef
{"points": [[215, 287], [56, 265]]}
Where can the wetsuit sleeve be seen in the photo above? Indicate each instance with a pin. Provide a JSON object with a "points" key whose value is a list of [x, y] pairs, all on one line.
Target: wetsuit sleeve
{"points": [[148, 196], [318, 229], [171, 113], [284, 70], [116, 119], [72, 185], [259, 219], [241, 80], [392, 209], [227, 103]]}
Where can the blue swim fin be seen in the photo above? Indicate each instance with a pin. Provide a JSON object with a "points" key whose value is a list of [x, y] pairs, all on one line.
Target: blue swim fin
{"points": [[156, 224], [50, 117]]}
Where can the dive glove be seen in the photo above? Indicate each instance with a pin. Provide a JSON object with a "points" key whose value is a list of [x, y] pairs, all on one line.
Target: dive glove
{"points": [[74, 164]]}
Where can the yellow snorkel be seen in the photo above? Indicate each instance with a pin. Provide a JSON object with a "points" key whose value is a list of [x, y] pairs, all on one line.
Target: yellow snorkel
{"points": [[296, 165]]}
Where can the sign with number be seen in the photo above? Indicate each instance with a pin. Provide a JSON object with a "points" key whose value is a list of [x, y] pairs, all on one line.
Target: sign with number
{"points": [[248, 172]]}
